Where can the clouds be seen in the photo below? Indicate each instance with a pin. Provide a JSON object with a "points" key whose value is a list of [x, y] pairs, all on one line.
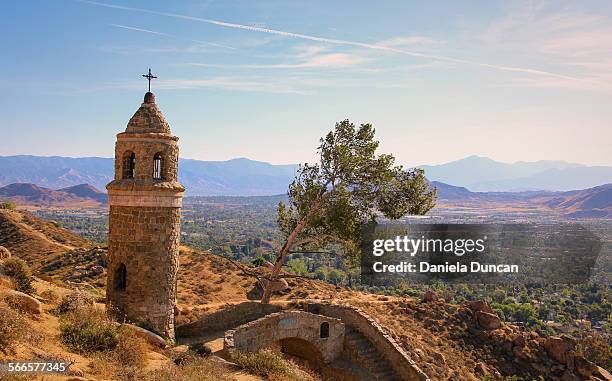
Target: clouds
{"points": [[342, 42], [560, 34]]}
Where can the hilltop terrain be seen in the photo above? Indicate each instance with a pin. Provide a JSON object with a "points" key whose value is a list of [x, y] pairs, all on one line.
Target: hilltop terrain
{"points": [[443, 339]]}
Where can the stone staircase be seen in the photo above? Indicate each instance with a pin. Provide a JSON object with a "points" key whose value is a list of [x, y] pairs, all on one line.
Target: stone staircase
{"points": [[361, 350]]}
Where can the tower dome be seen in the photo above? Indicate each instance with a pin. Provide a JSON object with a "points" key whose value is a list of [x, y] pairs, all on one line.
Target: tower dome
{"points": [[148, 118]]}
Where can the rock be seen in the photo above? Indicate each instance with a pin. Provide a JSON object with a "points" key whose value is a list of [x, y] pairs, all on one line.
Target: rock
{"points": [[430, 296], [150, 337], [488, 320], [481, 369], [278, 285], [23, 302], [559, 347], [569, 376], [583, 366], [602, 373], [76, 378], [439, 358], [519, 341], [520, 353], [540, 368], [74, 371], [480, 305], [4, 253]]}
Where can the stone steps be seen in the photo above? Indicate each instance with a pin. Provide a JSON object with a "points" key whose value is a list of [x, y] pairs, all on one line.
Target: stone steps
{"points": [[365, 353]]}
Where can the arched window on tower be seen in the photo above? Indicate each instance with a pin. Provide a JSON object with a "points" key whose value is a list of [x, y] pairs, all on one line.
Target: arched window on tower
{"points": [[324, 333], [129, 165], [120, 279], [157, 166]]}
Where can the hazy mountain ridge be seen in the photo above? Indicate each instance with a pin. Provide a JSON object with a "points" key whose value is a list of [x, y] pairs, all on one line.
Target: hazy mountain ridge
{"points": [[236, 177], [483, 174], [245, 177], [32, 194]]}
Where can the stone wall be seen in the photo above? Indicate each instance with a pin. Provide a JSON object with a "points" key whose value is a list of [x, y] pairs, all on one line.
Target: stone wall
{"points": [[303, 326], [401, 362], [146, 241], [225, 319]]}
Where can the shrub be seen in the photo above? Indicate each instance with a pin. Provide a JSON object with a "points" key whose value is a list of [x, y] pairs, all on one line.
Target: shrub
{"points": [[88, 330], [200, 369], [200, 349], [271, 365], [8, 205], [131, 350], [13, 328], [20, 274], [595, 347], [50, 295], [75, 301]]}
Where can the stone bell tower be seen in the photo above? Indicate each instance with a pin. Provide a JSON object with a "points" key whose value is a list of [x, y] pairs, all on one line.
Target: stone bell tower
{"points": [[145, 201]]}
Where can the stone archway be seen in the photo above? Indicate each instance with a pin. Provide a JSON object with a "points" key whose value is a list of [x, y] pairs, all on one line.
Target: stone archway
{"points": [[288, 330]]}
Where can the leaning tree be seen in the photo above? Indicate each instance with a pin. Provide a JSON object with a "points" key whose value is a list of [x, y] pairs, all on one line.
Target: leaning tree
{"points": [[351, 185]]}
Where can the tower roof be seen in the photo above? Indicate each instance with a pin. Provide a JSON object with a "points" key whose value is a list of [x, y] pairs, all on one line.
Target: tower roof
{"points": [[148, 118]]}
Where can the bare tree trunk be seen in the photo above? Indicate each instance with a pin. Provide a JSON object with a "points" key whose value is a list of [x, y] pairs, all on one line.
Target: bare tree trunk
{"points": [[278, 264]]}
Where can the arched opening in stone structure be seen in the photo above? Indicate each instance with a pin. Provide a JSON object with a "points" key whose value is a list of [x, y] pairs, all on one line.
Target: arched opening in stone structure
{"points": [[157, 166], [324, 330], [129, 165], [120, 278], [302, 352]]}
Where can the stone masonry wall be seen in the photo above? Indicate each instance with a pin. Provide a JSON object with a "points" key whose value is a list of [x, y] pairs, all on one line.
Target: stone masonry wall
{"points": [[402, 364], [225, 319], [146, 241], [145, 146]]}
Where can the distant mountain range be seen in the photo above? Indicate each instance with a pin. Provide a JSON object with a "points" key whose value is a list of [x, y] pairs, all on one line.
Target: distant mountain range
{"points": [[483, 174], [244, 177], [236, 177], [592, 202], [31, 194]]}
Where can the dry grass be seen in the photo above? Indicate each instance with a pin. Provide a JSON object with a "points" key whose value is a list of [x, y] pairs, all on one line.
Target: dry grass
{"points": [[126, 361], [74, 301], [272, 366], [13, 329], [88, 330], [200, 369]]}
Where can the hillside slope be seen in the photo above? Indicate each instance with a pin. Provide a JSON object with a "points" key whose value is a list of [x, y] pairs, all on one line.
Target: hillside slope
{"points": [[82, 195], [445, 340]]}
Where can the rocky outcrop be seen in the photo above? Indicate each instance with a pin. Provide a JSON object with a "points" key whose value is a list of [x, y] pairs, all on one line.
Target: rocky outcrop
{"points": [[488, 320], [23, 302], [4, 253], [147, 335], [560, 348]]}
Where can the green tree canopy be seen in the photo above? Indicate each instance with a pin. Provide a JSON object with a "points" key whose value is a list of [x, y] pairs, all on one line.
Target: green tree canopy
{"points": [[350, 185]]}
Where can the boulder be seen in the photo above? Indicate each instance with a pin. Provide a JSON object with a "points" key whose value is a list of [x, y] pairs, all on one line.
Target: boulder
{"points": [[430, 296], [584, 367], [559, 347], [23, 302], [488, 320], [148, 336], [480, 305], [602, 373], [4, 253], [278, 285]]}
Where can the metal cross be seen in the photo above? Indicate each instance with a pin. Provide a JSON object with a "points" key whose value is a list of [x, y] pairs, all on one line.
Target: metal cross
{"points": [[149, 77]]}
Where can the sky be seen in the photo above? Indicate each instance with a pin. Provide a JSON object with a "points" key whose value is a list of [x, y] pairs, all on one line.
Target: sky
{"points": [[442, 80]]}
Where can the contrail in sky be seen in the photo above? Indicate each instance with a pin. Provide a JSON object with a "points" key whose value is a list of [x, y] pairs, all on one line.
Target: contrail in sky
{"points": [[338, 41]]}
